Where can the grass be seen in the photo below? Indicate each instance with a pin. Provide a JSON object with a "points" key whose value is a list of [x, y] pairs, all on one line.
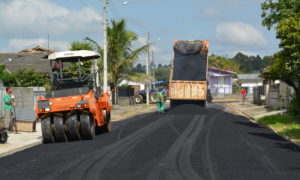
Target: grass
{"points": [[287, 125]]}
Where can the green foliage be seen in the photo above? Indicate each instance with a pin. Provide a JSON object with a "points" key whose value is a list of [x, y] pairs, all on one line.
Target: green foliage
{"points": [[139, 68], [223, 63], [274, 11], [287, 125], [277, 119], [284, 15], [121, 55], [251, 64], [162, 73], [85, 45], [241, 63], [23, 78], [294, 107]]}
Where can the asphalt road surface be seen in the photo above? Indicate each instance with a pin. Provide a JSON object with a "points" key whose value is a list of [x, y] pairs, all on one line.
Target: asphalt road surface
{"points": [[188, 142]]}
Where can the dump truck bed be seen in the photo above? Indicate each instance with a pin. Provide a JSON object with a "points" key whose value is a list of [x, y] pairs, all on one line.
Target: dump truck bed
{"points": [[188, 77]]}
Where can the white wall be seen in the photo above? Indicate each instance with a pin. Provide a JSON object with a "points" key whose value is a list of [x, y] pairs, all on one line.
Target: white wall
{"points": [[250, 86], [132, 83]]}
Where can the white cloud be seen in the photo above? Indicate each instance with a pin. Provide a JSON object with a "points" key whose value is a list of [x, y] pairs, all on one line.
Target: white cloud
{"points": [[239, 34], [30, 18], [20, 44]]}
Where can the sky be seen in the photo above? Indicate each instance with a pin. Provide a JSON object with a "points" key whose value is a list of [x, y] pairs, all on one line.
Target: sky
{"points": [[231, 26]]}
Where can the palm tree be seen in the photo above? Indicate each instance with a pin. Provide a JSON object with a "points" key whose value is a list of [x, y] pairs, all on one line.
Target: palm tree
{"points": [[121, 55], [85, 45]]}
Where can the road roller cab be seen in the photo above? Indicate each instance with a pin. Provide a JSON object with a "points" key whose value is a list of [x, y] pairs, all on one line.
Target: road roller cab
{"points": [[75, 108]]}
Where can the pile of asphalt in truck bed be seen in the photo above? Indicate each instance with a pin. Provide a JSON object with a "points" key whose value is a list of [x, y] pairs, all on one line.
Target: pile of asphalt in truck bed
{"points": [[190, 63]]}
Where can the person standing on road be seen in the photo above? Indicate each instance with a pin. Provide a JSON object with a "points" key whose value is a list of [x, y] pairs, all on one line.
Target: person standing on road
{"points": [[8, 103], [160, 101], [243, 94]]}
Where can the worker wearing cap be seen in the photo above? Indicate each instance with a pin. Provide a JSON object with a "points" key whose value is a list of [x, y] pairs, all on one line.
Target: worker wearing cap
{"points": [[160, 101], [8, 103]]}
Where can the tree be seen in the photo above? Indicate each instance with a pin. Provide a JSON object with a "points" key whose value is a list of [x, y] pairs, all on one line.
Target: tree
{"points": [[23, 78], [139, 68], [121, 55], [162, 73], [223, 63], [85, 45], [284, 15]]}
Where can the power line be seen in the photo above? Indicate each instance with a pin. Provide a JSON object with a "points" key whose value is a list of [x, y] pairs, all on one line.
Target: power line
{"points": [[114, 10]]}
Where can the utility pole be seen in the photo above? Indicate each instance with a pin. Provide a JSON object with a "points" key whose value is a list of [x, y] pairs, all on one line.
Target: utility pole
{"points": [[147, 69], [105, 48], [153, 65]]}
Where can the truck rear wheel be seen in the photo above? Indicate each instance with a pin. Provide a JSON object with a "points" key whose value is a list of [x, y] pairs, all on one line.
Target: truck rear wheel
{"points": [[74, 128], [47, 131], [87, 126], [153, 97], [173, 104], [59, 129], [138, 99]]}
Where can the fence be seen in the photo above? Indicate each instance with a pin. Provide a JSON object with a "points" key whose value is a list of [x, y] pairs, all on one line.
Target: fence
{"points": [[125, 95], [258, 92], [25, 101]]}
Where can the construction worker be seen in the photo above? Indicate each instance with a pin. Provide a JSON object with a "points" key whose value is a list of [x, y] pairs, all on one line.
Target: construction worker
{"points": [[160, 101], [8, 103]]}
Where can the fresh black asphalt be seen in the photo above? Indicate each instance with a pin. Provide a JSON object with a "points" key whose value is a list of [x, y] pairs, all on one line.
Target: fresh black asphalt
{"points": [[188, 142]]}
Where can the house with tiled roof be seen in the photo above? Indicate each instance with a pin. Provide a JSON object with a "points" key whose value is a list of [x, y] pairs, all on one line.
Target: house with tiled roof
{"points": [[28, 58], [220, 81]]}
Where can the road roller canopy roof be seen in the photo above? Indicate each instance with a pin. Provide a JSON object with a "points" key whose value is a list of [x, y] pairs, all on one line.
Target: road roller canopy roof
{"points": [[70, 56]]}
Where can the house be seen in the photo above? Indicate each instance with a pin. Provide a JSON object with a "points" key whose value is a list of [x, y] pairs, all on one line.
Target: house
{"points": [[249, 81], [39, 50], [220, 80], [140, 85], [274, 94], [138, 81], [29, 58]]}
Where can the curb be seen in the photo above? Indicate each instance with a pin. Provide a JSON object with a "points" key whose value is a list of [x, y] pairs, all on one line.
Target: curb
{"points": [[20, 149], [294, 141]]}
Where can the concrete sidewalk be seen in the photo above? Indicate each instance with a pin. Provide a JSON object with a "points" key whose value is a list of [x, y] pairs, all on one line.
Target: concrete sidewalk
{"points": [[23, 140], [253, 111]]}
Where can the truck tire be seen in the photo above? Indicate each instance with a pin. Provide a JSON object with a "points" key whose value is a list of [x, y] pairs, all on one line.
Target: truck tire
{"points": [[153, 97], [73, 128], [173, 104], [138, 99], [87, 126], [203, 103], [107, 126], [47, 131], [3, 137], [59, 129]]}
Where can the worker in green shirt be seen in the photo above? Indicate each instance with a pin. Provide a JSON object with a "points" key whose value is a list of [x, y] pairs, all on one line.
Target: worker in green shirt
{"points": [[160, 101], [8, 103]]}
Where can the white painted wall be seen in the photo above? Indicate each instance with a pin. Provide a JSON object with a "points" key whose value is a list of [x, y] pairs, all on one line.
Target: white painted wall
{"points": [[250, 85], [142, 85]]}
